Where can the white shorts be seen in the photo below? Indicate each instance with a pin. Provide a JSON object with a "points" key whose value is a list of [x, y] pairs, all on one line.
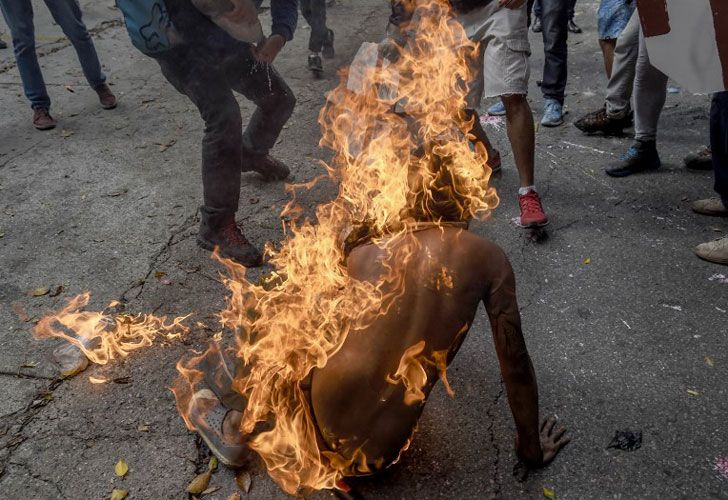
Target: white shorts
{"points": [[502, 64]]}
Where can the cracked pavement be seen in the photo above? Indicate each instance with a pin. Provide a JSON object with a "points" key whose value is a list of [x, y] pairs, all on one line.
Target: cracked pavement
{"points": [[109, 199]]}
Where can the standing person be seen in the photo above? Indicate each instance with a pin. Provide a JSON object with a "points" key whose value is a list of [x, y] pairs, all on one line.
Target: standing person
{"points": [[717, 251], [555, 22], [613, 16], [321, 41], [67, 13], [207, 66], [503, 71]]}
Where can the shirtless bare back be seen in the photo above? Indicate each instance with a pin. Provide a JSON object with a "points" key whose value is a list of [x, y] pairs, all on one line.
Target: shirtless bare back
{"points": [[358, 402]]}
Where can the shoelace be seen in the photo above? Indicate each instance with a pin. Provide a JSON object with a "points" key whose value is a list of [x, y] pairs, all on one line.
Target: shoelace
{"points": [[630, 154], [530, 202]]}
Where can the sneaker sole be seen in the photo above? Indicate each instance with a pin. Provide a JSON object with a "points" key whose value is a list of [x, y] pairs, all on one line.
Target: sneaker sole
{"points": [[711, 213], [112, 106], [552, 124], [533, 225], [714, 261], [496, 114], [45, 127], [628, 173]]}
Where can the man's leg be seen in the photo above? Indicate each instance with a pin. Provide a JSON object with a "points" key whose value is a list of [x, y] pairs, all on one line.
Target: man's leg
{"points": [[573, 27], [614, 116], [222, 150], [717, 251], [650, 92], [555, 19], [274, 100], [19, 17], [67, 13], [521, 135]]}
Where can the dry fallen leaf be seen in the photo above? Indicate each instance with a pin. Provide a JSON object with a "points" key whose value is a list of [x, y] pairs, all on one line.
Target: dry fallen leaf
{"points": [[59, 290], [119, 494], [235, 496], [160, 274], [29, 365], [200, 483], [40, 291], [587, 261], [709, 361], [211, 489], [549, 493], [693, 393], [143, 428], [244, 481], [212, 466], [121, 468], [22, 315]]}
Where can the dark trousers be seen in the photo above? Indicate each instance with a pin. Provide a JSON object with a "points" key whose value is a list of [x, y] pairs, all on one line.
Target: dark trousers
{"points": [[537, 8], [719, 143], [209, 81], [554, 19], [314, 11]]}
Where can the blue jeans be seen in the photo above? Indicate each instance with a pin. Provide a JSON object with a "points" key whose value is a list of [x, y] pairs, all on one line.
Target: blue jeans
{"points": [[67, 14], [719, 143]]}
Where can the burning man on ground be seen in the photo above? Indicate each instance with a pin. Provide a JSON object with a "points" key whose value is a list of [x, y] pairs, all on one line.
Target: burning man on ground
{"points": [[365, 402]]}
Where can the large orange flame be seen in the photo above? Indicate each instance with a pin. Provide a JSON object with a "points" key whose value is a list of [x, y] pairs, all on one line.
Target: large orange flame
{"points": [[402, 151]]}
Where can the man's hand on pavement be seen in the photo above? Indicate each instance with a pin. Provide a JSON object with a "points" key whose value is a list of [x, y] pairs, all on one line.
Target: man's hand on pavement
{"points": [[268, 50]]}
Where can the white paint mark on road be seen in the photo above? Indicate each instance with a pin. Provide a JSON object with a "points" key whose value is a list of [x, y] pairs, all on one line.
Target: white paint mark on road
{"points": [[588, 148]]}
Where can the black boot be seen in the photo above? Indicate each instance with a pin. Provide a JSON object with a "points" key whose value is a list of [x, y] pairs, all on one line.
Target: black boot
{"points": [[315, 65], [640, 157], [267, 166], [219, 230], [573, 27]]}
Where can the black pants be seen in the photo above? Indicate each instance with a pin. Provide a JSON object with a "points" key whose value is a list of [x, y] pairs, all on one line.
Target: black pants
{"points": [[554, 19], [209, 81], [719, 143], [537, 7], [314, 11]]}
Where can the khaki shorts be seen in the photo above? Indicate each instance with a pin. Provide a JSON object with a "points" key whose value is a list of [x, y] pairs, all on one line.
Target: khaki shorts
{"points": [[502, 65]]}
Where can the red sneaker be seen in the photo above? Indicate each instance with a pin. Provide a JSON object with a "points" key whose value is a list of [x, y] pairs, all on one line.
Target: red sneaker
{"points": [[532, 214]]}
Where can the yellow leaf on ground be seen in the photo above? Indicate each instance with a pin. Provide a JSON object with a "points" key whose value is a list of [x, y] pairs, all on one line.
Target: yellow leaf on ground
{"points": [[693, 393], [119, 494], [549, 493], [235, 496], [587, 261], [211, 489], [709, 361], [40, 291], [121, 468], [212, 466], [199, 484]]}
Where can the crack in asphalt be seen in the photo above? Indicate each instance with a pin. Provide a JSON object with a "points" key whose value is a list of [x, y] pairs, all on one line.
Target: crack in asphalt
{"points": [[24, 417], [38, 477], [495, 478]]}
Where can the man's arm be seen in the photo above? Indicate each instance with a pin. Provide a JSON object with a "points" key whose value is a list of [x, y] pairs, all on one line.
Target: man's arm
{"points": [[535, 445], [285, 18]]}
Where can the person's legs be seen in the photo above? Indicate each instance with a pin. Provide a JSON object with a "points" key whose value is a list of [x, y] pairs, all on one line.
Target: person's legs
{"points": [[19, 18], [521, 135], [650, 92], [555, 33], [261, 84], [314, 11], [67, 13], [621, 82], [573, 27], [607, 47]]}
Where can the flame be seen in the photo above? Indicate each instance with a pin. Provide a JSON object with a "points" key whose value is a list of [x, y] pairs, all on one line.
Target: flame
{"points": [[103, 338], [402, 153]]}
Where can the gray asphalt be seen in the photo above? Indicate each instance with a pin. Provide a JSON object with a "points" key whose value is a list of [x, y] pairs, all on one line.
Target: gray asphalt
{"points": [[618, 312]]}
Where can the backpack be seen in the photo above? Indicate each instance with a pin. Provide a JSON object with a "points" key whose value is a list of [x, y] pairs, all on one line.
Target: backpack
{"points": [[149, 26]]}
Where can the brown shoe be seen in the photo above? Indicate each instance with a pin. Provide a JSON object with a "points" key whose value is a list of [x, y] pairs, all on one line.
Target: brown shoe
{"points": [[219, 230], [710, 206], [42, 119], [714, 251], [699, 160], [106, 97]]}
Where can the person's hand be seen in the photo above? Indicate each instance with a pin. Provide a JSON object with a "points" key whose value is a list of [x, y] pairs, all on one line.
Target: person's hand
{"points": [[511, 4], [268, 50], [553, 438]]}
